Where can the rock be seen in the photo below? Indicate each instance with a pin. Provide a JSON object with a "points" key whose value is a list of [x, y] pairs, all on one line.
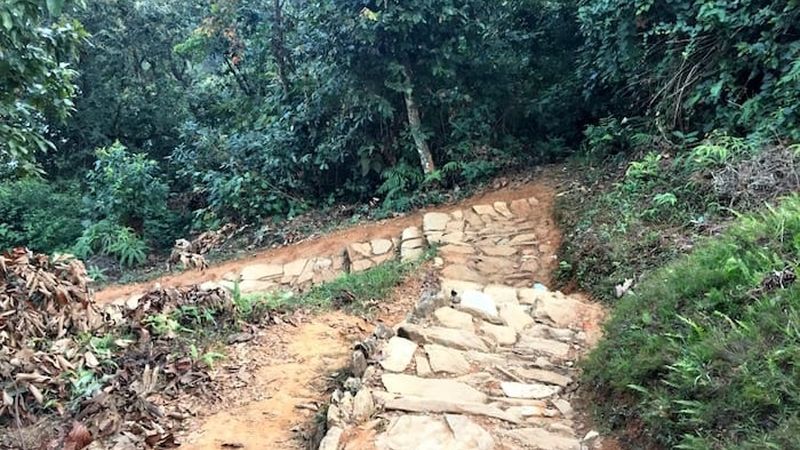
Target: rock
{"points": [[423, 367], [250, 286], [359, 250], [498, 250], [450, 286], [452, 318], [424, 432], [541, 438], [427, 304], [484, 210], [413, 243], [431, 388], [502, 208], [527, 410], [468, 434], [462, 272], [420, 404], [533, 201], [563, 407], [447, 360], [473, 219], [453, 238], [490, 265], [479, 305], [353, 384], [544, 376], [562, 334], [455, 225], [411, 233], [521, 208], [361, 265], [502, 295], [398, 353], [459, 249], [434, 237], [334, 416], [435, 221], [501, 335], [331, 439], [515, 317], [262, 272], [294, 268], [383, 332], [590, 437], [346, 407], [381, 246], [410, 254], [449, 337], [561, 428], [561, 311], [358, 363], [528, 391], [208, 286], [525, 238], [363, 406], [539, 345]]}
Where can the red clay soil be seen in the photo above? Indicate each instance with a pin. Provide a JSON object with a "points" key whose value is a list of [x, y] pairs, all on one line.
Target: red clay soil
{"points": [[333, 242]]}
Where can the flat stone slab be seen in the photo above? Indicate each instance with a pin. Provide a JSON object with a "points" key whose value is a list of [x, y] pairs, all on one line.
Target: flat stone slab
{"points": [[358, 250], [393, 402], [435, 221], [544, 376], [502, 295], [431, 388], [423, 366], [515, 317], [502, 208], [411, 233], [458, 286], [381, 246], [449, 337], [501, 335], [562, 311], [262, 272], [480, 305], [398, 353], [521, 208], [484, 210], [543, 439], [458, 249], [540, 345], [528, 391], [452, 318], [428, 433], [447, 360], [462, 272], [413, 243], [498, 250]]}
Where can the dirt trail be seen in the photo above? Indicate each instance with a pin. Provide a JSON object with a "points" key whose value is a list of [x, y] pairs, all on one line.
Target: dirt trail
{"points": [[327, 244], [287, 372]]}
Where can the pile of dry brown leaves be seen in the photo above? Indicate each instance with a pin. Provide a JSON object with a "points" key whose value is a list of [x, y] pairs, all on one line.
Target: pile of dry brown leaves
{"points": [[89, 373]]}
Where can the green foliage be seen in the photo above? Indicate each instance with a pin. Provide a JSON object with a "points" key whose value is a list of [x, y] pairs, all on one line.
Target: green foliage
{"points": [[42, 216], [110, 238], [702, 352], [36, 78], [696, 65]]}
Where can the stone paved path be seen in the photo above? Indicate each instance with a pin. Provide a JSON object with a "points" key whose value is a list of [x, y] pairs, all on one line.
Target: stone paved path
{"points": [[487, 362]]}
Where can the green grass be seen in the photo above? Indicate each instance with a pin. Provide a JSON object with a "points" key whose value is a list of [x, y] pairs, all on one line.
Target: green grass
{"points": [[699, 355], [355, 292]]}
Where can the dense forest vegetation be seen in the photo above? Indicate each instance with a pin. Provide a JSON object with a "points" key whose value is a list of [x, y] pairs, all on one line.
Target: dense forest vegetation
{"points": [[125, 124]]}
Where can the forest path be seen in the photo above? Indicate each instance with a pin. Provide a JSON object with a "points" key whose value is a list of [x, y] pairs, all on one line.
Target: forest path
{"points": [[489, 364]]}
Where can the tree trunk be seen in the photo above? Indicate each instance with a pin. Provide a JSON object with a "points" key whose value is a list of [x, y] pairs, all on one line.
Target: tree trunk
{"points": [[425, 157], [279, 48]]}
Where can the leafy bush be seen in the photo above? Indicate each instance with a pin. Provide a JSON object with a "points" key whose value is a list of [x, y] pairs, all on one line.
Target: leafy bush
{"points": [[42, 216], [125, 187], [110, 238], [704, 352], [696, 65]]}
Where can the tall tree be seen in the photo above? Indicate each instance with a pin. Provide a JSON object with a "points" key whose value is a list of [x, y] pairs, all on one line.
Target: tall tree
{"points": [[37, 46]]}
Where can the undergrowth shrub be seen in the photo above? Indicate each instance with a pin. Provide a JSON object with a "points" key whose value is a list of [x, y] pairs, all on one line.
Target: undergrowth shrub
{"points": [[651, 209], [704, 352], [42, 216]]}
